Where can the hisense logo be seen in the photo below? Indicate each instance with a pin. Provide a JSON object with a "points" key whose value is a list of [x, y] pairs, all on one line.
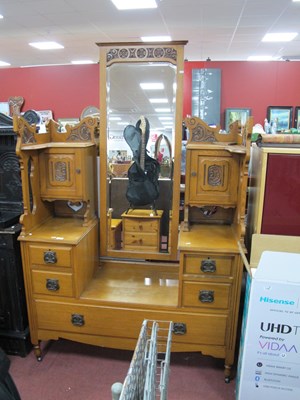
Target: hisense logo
{"points": [[276, 301]]}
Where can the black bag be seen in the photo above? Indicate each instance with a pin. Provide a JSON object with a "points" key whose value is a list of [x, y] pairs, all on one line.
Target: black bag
{"points": [[143, 186]]}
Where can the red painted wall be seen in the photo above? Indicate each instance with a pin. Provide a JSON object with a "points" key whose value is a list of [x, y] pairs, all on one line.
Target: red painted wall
{"points": [[67, 90], [254, 85]]}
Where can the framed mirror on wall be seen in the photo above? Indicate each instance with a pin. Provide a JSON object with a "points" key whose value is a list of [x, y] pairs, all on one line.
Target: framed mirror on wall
{"points": [[141, 129]]}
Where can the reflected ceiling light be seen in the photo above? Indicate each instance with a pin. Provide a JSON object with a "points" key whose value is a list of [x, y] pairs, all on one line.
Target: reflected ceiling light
{"points": [[165, 118], [1, 16], [79, 62], [152, 86], [162, 109], [123, 123], [46, 45], [158, 100], [115, 118], [260, 58], [134, 4], [156, 38], [3, 64], [279, 37]]}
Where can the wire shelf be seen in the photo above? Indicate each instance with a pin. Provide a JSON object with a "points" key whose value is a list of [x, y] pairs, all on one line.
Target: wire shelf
{"points": [[148, 374]]}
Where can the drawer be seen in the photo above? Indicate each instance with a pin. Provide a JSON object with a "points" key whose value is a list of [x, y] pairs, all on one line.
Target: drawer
{"points": [[141, 225], [207, 265], [59, 256], [201, 329], [135, 241], [52, 283], [206, 294]]}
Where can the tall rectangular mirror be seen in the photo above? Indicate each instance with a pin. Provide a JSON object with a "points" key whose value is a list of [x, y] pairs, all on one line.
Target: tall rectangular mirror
{"points": [[140, 134]]}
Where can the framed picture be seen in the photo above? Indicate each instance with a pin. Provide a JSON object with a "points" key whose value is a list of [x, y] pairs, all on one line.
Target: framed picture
{"points": [[4, 108], [67, 121], [281, 116], [236, 114], [297, 118]]}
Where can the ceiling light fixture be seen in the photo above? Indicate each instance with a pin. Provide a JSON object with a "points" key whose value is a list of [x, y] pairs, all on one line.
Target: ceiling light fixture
{"points": [[158, 100], [79, 62], [4, 64], [162, 109], [46, 45], [260, 58], [156, 38], [152, 86], [134, 4], [279, 37], [1, 16]]}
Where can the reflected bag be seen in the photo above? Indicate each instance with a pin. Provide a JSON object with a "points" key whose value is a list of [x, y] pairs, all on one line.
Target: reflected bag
{"points": [[143, 186]]}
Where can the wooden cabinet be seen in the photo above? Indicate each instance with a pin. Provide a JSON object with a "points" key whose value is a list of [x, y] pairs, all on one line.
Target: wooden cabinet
{"points": [[195, 283], [213, 229], [59, 237], [274, 191], [212, 177]]}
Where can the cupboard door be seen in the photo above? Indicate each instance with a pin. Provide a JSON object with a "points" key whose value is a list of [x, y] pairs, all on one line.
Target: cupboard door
{"points": [[213, 179], [61, 174]]}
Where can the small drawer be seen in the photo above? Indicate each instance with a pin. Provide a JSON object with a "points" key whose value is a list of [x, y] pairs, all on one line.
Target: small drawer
{"points": [[52, 283], [59, 256], [141, 225], [136, 241], [206, 294], [207, 265]]}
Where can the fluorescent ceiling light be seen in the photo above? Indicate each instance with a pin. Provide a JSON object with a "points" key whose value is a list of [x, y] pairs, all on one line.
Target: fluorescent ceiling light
{"points": [[1, 16], [134, 4], [82, 62], [162, 110], [260, 58], [156, 38], [165, 118], [158, 100], [279, 37], [152, 86], [46, 45], [115, 118], [3, 64]]}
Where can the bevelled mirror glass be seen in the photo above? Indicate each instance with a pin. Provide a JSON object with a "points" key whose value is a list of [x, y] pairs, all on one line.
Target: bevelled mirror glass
{"points": [[140, 151]]}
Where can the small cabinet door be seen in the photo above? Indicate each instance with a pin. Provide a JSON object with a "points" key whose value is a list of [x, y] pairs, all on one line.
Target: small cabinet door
{"points": [[61, 173], [213, 179]]}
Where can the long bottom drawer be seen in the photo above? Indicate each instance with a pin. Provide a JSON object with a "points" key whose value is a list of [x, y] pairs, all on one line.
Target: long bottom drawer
{"points": [[193, 328]]}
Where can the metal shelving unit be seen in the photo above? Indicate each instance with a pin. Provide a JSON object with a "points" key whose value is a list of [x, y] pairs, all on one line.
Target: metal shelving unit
{"points": [[147, 377]]}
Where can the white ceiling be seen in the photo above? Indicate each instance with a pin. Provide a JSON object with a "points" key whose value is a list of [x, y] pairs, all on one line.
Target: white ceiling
{"points": [[220, 30]]}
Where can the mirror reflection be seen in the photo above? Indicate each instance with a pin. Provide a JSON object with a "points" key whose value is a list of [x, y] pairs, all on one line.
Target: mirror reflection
{"points": [[140, 149]]}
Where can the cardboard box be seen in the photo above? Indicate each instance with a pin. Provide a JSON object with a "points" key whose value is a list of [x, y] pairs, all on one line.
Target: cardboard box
{"points": [[269, 360]]}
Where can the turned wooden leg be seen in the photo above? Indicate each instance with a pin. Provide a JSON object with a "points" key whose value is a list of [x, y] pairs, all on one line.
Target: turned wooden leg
{"points": [[227, 373], [37, 351]]}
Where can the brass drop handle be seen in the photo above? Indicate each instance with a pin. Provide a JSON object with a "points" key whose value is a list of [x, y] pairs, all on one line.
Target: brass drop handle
{"points": [[77, 319], [50, 257], [207, 296], [52, 285], [78, 171], [193, 174], [179, 328], [208, 266]]}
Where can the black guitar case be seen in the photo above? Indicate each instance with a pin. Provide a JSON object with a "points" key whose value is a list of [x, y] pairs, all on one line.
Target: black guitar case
{"points": [[143, 186]]}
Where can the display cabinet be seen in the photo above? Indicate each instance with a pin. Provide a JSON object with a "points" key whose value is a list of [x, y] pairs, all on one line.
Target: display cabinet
{"points": [[14, 329], [274, 193]]}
